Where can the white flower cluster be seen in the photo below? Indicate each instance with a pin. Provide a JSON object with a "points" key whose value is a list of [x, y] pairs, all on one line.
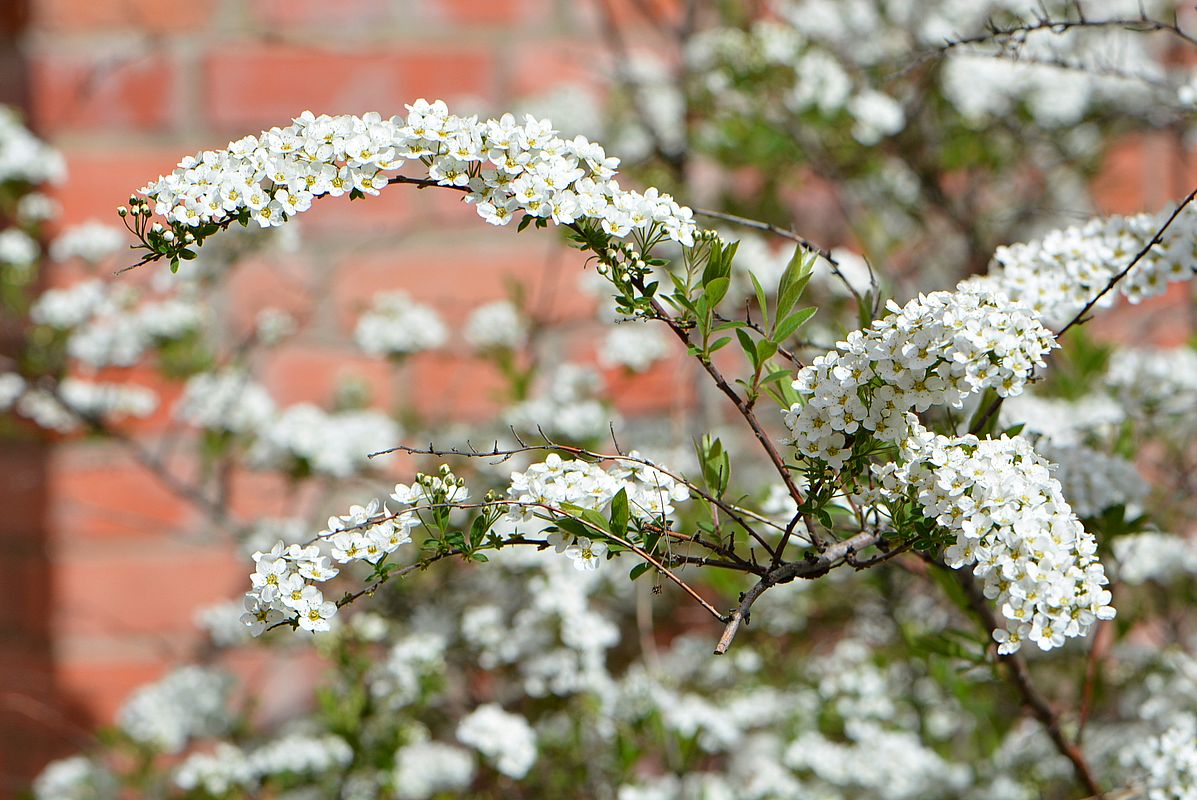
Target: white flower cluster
{"points": [[91, 242], [496, 326], [1013, 526], [566, 406], [396, 326], [189, 703], [284, 580], [228, 766], [1154, 556], [558, 483], [819, 81], [25, 158], [507, 166], [111, 326], [1064, 423], [1166, 765], [1061, 272], [936, 350], [64, 408], [424, 769], [17, 248], [335, 444], [503, 738], [1093, 481], [75, 778], [1157, 386], [227, 400], [633, 345]]}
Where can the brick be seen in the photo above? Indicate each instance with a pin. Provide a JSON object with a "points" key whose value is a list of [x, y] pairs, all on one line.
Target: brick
{"points": [[1119, 187], [455, 388], [259, 495], [505, 13], [151, 588], [23, 491], [99, 491], [343, 15], [257, 283], [116, 91], [1163, 321], [145, 16], [447, 71], [305, 372], [258, 86], [666, 386], [459, 277], [560, 62]]}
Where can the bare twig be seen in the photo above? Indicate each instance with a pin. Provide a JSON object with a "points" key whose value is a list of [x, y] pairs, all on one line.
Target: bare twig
{"points": [[811, 567], [1155, 239]]}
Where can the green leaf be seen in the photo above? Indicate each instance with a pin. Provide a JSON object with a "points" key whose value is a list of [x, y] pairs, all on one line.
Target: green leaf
{"points": [[793, 280], [718, 344], [716, 290], [748, 345], [619, 513], [760, 298], [787, 327], [639, 570]]}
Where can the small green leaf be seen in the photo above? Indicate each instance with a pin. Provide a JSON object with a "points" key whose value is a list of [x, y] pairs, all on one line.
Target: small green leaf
{"points": [[717, 290], [748, 346], [786, 328], [760, 298], [619, 513], [719, 344], [793, 281], [639, 570]]}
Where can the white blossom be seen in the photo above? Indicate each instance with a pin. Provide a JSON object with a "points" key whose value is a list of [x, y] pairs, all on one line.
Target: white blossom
{"points": [[506, 740]]}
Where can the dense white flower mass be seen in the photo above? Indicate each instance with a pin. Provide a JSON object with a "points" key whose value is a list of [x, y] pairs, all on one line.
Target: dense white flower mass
{"points": [[307, 437], [1166, 765], [227, 400], [423, 769], [1092, 480], [1061, 272], [1012, 525], [1154, 556], [188, 703], [75, 778], [496, 325], [936, 350], [113, 325], [1157, 386], [634, 346], [66, 407], [92, 242], [566, 406], [17, 247], [558, 483], [396, 325], [24, 157], [505, 166], [506, 740]]}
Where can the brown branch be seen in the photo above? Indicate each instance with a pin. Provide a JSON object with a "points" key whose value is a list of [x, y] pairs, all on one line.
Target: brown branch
{"points": [[811, 567]]}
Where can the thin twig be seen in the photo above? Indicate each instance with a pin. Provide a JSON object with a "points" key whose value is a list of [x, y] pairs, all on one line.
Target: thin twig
{"points": [[811, 567], [1155, 239]]}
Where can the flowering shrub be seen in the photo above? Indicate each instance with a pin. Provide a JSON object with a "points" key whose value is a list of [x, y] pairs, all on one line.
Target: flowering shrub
{"points": [[892, 517]]}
